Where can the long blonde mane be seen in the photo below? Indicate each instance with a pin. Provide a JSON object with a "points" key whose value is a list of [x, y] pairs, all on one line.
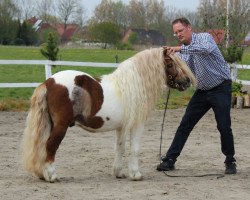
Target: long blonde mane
{"points": [[139, 81]]}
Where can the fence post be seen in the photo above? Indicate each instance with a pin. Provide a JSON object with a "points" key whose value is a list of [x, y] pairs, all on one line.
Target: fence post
{"points": [[48, 72]]}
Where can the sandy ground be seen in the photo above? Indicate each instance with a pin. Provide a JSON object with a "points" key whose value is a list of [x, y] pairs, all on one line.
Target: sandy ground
{"points": [[84, 163]]}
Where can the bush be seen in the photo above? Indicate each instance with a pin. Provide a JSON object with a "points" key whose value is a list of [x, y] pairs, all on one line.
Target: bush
{"points": [[236, 88], [124, 46], [233, 53]]}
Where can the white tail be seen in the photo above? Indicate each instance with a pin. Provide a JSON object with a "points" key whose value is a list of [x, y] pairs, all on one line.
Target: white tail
{"points": [[36, 133]]}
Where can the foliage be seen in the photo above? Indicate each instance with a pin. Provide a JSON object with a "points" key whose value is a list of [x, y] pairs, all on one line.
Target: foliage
{"points": [[233, 53], [105, 32], [26, 35], [123, 46], [133, 38], [213, 15], [50, 49], [236, 88]]}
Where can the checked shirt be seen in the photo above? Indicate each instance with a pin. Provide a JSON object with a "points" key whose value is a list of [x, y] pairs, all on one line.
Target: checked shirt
{"points": [[205, 61]]}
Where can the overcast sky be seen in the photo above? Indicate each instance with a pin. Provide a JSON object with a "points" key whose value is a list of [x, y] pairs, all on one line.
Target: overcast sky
{"points": [[191, 5]]}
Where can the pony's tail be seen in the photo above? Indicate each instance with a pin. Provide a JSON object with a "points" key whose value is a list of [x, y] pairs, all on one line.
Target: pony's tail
{"points": [[36, 133]]}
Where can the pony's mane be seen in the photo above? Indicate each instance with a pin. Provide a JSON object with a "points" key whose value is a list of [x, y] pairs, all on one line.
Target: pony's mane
{"points": [[140, 80], [182, 64]]}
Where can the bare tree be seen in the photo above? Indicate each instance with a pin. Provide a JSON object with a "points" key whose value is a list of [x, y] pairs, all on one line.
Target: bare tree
{"points": [[45, 10], [27, 8], [68, 10]]}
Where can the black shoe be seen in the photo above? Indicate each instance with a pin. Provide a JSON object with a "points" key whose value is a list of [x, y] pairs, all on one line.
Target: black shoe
{"points": [[167, 165], [230, 168]]}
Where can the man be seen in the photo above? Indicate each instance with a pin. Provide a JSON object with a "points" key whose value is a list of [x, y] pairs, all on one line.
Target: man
{"points": [[204, 58]]}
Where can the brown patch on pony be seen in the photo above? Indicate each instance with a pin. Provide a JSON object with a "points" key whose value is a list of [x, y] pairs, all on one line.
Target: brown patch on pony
{"points": [[92, 97], [92, 122], [61, 113], [94, 89]]}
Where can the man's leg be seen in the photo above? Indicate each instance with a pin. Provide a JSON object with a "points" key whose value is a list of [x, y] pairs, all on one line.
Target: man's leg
{"points": [[221, 104], [196, 109]]}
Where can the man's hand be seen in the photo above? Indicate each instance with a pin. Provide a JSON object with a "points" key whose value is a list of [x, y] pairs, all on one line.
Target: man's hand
{"points": [[172, 50]]}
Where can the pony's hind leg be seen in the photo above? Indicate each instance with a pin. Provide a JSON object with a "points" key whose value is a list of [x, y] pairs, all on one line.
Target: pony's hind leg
{"points": [[62, 117], [119, 152], [135, 137], [56, 136]]}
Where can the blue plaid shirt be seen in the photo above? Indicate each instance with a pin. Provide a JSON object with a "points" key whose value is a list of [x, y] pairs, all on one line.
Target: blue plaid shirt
{"points": [[205, 60]]}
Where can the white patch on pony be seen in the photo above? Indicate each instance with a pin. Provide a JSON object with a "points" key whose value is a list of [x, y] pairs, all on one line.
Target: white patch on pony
{"points": [[49, 172], [112, 106], [67, 79]]}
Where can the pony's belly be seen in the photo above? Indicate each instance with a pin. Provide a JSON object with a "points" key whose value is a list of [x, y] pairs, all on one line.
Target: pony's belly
{"points": [[110, 116]]}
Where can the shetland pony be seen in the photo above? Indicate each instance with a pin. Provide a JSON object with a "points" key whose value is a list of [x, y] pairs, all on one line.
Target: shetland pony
{"points": [[121, 101]]}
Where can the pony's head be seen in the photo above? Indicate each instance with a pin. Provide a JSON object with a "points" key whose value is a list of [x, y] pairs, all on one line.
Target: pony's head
{"points": [[178, 74]]}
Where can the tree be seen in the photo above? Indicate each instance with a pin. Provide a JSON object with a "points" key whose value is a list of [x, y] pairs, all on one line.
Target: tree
{"points": [[111, 11], [8, 22], [69, 10], [133, 38], [137, 14], [44, 9], [50, 49], [26, 35], [105, 32], [26, 8], [213, 15]]}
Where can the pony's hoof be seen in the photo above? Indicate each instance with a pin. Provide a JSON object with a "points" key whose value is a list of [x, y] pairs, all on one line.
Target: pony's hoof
{"points": [[119, 174], [49, 173], [136, 176]]}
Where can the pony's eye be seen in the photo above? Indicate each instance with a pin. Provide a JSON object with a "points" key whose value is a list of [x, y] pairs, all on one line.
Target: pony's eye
{"points": [[169, 65]]}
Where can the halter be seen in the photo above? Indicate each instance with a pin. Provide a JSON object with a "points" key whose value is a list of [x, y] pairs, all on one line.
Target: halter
{"points": [[171, 77]]}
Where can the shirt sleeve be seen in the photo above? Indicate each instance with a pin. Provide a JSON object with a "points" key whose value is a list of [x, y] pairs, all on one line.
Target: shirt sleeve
{"points": [[202, 43]]}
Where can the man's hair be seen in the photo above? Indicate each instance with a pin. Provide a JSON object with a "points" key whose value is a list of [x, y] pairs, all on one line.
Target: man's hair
{"points": [[181, 20]]}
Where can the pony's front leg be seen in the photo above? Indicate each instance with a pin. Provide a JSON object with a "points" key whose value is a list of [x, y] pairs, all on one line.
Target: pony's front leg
{"points": [[135, 138], [119, 152]]}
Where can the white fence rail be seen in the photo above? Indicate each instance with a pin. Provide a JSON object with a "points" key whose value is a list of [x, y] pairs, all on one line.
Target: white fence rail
{"points": [[47, 66], [234, 73]]}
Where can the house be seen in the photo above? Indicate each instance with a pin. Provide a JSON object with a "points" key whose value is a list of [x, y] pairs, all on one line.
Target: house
{"points": [[146, 37], [246, 41], [65, 35], [218, 35]]}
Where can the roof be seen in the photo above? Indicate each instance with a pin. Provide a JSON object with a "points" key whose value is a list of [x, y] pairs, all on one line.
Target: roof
{"points": [[218, 35], [65, 35]]}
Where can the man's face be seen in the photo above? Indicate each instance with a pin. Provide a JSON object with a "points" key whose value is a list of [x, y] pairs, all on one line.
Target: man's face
{"points": [[183, 33]]}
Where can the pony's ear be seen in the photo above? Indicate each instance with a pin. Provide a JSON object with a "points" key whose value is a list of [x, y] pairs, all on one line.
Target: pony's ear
{"points": [[167, 58]]}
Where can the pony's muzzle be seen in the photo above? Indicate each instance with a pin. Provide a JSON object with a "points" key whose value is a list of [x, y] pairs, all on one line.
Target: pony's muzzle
{"points": [[183, 84]]}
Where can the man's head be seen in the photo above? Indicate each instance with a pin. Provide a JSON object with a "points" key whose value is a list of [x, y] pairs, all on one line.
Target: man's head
{"points": [[182, 30]]}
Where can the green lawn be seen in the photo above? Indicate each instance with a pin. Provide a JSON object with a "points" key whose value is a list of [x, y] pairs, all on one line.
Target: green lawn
{"points": [[17, 98]]}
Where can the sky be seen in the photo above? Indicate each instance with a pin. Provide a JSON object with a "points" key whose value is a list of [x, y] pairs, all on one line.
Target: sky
{"points": [[191, 5]]}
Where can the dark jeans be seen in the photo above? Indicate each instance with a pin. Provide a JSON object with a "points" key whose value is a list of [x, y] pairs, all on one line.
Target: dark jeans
{"points": [[219, 99]]}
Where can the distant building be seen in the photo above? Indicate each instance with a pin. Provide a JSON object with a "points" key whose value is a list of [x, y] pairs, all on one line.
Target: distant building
{"points": [[146, 37], [65, 35], [246, 41], [218, 35]]}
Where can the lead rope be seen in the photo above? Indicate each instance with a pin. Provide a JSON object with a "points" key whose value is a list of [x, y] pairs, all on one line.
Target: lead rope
{"points": [[160, 156], [163, 120]]}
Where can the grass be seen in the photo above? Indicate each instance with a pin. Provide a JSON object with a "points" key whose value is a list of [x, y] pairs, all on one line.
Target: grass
{"points": [[18, 98]]}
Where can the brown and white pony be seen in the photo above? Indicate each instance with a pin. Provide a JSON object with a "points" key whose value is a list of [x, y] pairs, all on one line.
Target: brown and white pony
{"points": [[121, 101]]}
